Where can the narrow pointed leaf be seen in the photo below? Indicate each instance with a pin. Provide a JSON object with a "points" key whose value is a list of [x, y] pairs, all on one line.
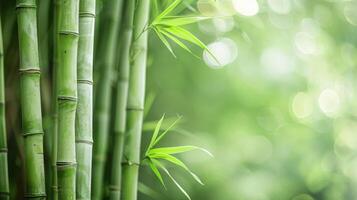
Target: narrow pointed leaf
{"points": [[177, 162], [166, 131], [164, 40], [156, 171], [169, 9], [156, 132], [178, 42], [180, 21], [178, 149], [173, 179]]}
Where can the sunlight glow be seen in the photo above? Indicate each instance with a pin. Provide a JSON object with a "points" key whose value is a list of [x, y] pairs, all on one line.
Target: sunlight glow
{"points": [[276, 62], [329, 102], [280, 6], [302, 105], [246, 7], [224, 50], [306, 43]]}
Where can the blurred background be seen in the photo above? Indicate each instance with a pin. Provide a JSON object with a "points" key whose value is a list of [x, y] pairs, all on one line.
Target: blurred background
{"points": [[279, 109]]}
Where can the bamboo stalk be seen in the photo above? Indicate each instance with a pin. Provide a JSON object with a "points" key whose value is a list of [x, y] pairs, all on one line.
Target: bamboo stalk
{"points": [[121, 88], [31, 99], [135, 104], [84, 115], [54, 177], [105, 65], [67, 46], [43, 29], [4, 184]]}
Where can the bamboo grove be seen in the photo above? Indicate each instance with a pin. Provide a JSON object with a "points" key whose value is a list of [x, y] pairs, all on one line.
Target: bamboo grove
{"points": [[78, 69]]}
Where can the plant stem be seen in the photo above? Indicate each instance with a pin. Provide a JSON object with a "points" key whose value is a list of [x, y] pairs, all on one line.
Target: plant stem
{"points": [[135, 105], [31, 99], [84, 115], [105, 64], [67, 46], [54, 177], [121, 88], [4, 184]]}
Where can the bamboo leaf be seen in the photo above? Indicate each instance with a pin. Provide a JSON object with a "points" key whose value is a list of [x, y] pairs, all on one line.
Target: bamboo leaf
{"points": [[178, 42], [188, 36], [172, 178], [180, 21], [156, 133], [177, 162], [169, 9], [166, 131], [163, 40], [178, 149], [156, 171], [185, 35]]}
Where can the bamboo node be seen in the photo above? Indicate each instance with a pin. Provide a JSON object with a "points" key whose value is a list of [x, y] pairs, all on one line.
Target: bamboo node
{"points": [[63, 165], [3, 150], [30, 71], [135, 109], [85, 141], [25, 5], [32, 134], [67, 98], [4, 193], [130, 163], [66, 32], [86, 14], [85, 82], [114, 188], [34, 195]]}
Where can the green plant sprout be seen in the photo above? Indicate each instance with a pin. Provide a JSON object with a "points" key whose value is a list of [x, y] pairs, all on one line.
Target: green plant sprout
{"points": [[155, 155]]}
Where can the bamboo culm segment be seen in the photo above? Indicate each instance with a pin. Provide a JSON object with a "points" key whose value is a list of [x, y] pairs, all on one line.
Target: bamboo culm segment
{"points": [[84, 115], [135, 104], [105, 65], [54, 178], [4, 183], [121, 88], [67, 46], [31, 99]]}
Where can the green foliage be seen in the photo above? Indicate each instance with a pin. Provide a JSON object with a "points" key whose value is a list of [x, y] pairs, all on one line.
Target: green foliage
{"points": [[156, 155], [170, 27]]}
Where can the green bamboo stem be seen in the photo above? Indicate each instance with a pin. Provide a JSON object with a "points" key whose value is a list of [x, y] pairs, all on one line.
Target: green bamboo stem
{"points": [[135, 104], [54, 177], [31, 99], [43, 29], [84, 115], [105, 65], [67, 46], [4, 184], [121, 88]]}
